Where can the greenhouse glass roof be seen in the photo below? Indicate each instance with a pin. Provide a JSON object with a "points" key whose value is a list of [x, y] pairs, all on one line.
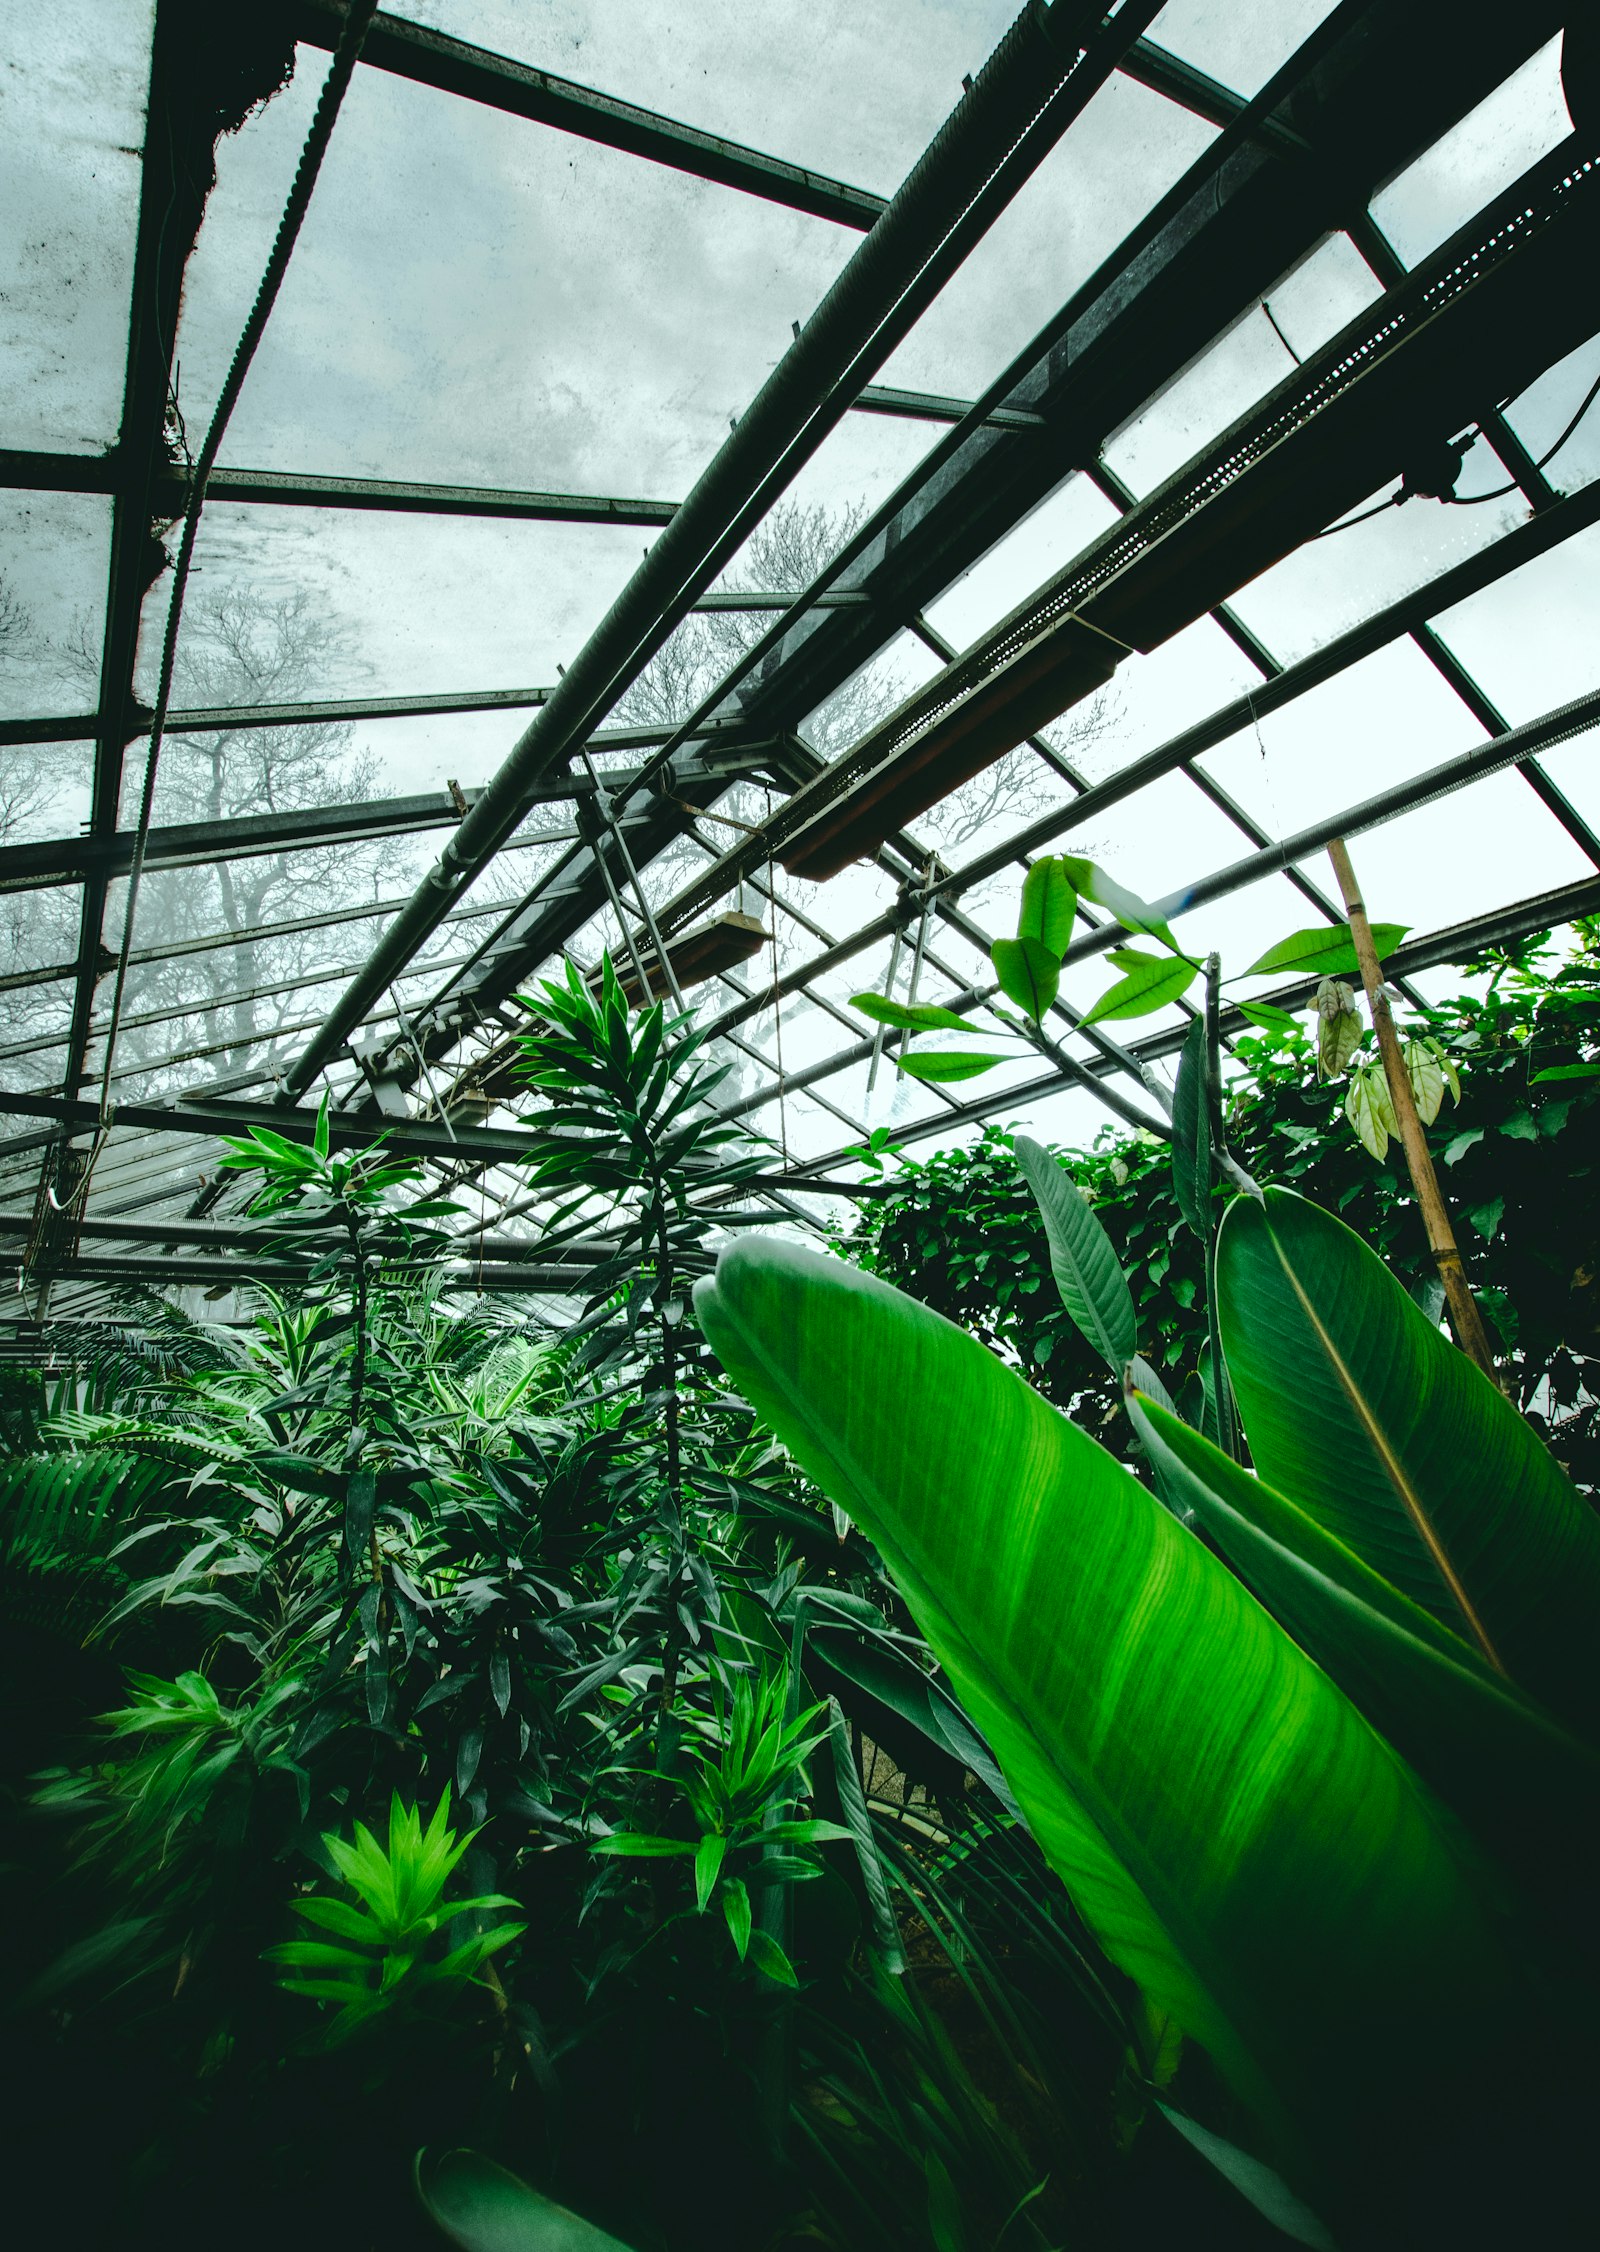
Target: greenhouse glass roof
{"points": [[730, 486]]}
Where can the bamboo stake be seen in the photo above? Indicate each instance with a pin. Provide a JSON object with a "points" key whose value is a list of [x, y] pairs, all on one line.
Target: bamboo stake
{"points": [[1465, 1318]]}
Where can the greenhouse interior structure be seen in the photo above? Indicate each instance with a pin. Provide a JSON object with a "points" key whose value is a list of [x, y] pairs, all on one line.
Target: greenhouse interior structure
{"points": [[800, 1123]]}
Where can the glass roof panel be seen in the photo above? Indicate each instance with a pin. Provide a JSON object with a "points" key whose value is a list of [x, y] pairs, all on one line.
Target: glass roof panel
{"points": [[463, 343], [55, 550], [854, 88], [1546, 409], [1124, 151], [1361, 732], [1332, 583], [1465, 854], [1530, 640], [72, 101], [393, 605], [45, 789], [1239, 42], [1045, 542], [1494, 144]]}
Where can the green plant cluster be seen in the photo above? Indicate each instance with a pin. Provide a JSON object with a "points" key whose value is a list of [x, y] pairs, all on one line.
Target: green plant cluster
{"points": [[1518, 1158], [461, 1732]]}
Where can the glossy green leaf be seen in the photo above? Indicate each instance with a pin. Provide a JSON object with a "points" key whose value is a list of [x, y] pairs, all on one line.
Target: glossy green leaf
{"points": [[922, 1017], [708, 1859], [1088, 1273], [1191, 1134], [1049, 906], [940, 1064], [736, 1914], [483, 2208], [770, 1959], [1132, 912], [1263, 1013], [1568, 1071], [1151, 981], [1243, 1843], [1327, 951], [1359, 1410], [1268, 2192], [1029, 974], [1528, 1788]]}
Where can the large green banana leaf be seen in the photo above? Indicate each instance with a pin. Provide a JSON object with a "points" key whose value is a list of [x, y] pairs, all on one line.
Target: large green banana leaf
{"points": [[1359, 1410], [1527, 1787], [1243, 1843]]}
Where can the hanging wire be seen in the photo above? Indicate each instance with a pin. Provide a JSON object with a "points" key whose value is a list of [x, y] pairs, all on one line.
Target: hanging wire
{"points": [[334, 89], [1471, 500]]}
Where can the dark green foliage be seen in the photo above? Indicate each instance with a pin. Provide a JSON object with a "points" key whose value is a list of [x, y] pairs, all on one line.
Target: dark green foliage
{"points": [[1518, 1159]]}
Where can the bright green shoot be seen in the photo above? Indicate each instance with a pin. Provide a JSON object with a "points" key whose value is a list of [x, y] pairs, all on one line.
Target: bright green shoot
{"points": [[732, 1789], [383, 1956]]}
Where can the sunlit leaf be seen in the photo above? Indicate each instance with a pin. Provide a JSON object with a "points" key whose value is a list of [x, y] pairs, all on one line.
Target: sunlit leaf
{"points": [[939, 1064], [1151, 982], [923, 1017], [1327, 951], [1132, 912], [1029, 973], [1049, 907]]}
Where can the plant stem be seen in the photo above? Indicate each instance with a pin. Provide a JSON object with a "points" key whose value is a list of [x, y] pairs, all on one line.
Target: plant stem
{"points": [[1221, 1389], [358, 1375], [1465, 1318]]}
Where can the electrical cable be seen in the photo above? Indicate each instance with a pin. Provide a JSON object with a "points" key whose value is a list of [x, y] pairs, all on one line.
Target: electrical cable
{"points": [[1471, 500], [334, 88]]}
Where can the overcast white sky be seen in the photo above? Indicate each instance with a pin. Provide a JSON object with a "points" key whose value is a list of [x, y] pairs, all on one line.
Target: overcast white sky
{"points": [[478, 300]]}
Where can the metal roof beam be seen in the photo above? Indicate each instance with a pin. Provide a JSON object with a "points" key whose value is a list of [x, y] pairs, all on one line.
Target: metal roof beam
{"points": [[475, 74], [1383, 82], [116, 471], [1040, 77]]}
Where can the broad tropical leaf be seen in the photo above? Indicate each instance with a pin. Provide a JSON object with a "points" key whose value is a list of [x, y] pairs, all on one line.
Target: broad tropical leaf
{"points": [[1029, 974], [1327, 951], [1359, 1410], [483, 2208], [1132, 912], [939, 1064], [921, 1016], [1088, 1273], [1150, 982], [1243, 1843], [1048, 907], [1527, 1787]]}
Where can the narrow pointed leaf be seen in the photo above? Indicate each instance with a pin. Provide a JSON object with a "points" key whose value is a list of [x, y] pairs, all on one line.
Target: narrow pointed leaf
{"points": [[1360, 1411], [1153, 981], [708, 1867], [1243, 1843], [1088, 1273]]}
